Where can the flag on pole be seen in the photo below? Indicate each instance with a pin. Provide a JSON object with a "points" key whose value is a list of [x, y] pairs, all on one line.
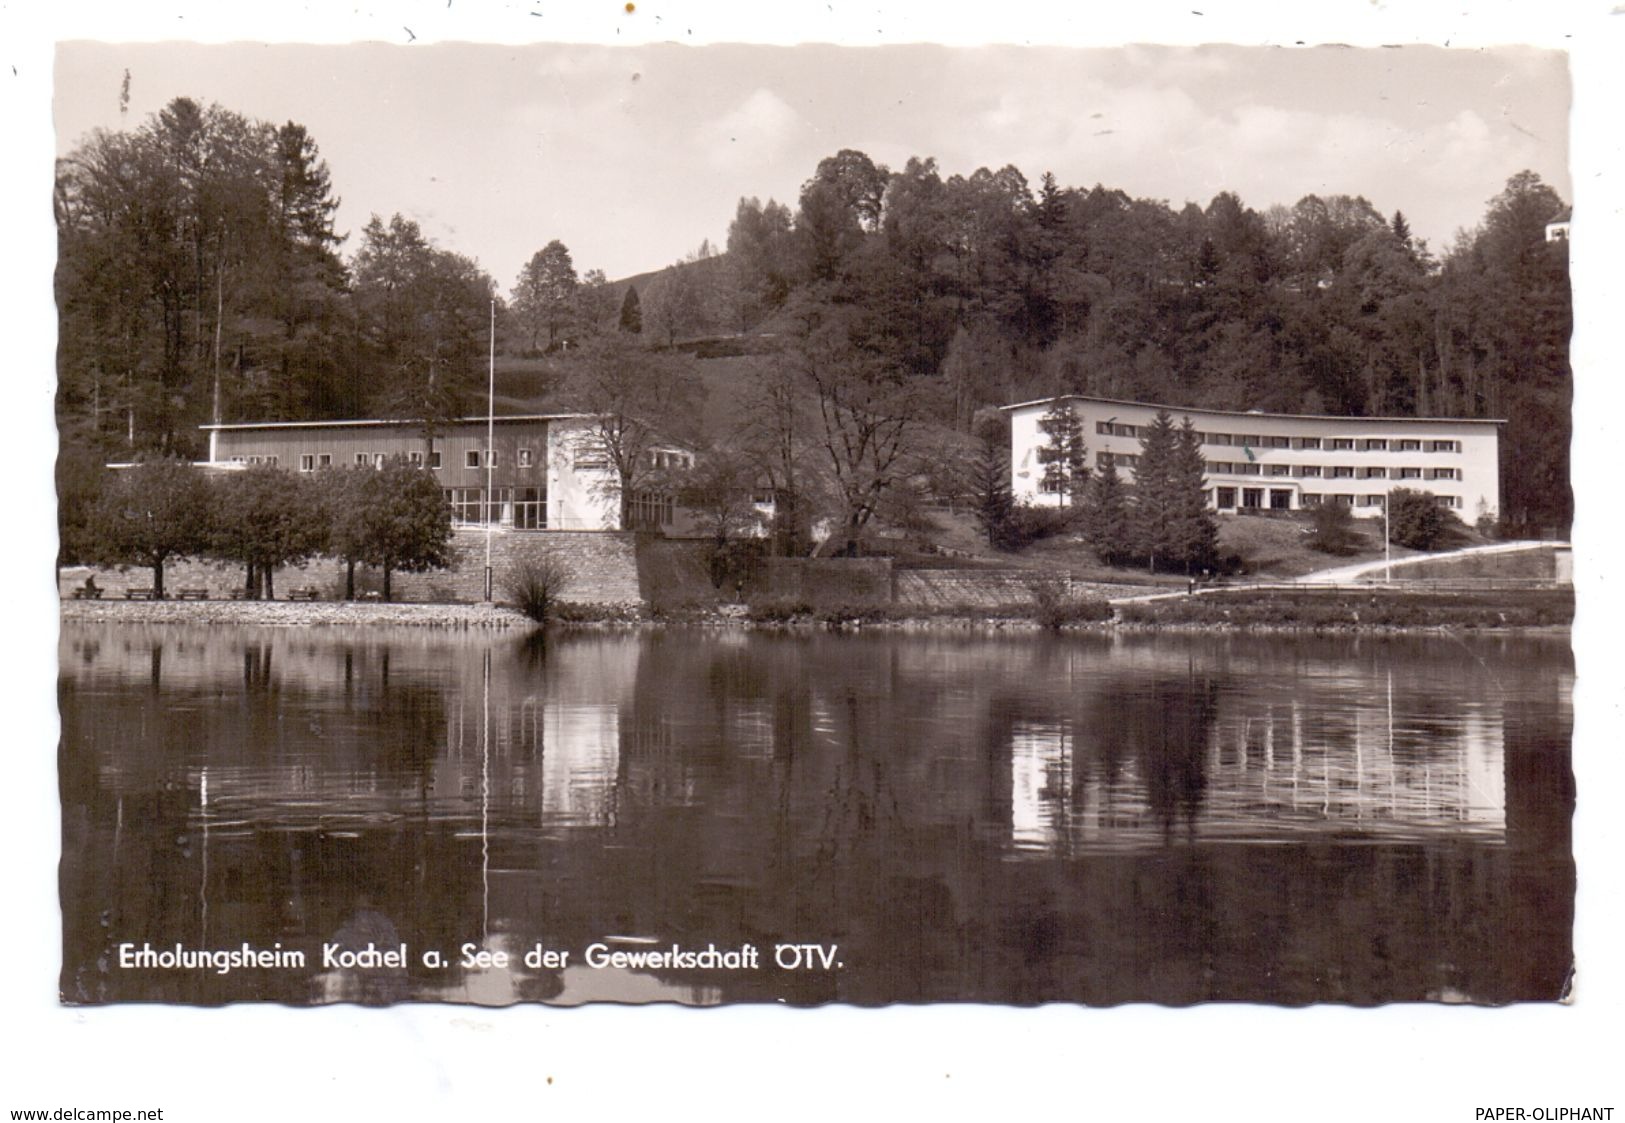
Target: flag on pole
{"points": [[1249, 452]]}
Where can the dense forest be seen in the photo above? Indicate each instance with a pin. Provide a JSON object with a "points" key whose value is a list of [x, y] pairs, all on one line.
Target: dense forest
{"points": [[200, 276]]}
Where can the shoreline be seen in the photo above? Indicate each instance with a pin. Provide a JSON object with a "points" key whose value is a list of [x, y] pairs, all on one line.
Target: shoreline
{"points": [[289, 614]]}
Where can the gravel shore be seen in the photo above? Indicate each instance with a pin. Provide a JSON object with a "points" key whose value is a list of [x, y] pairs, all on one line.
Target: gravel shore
{"points": [[301, 614]]}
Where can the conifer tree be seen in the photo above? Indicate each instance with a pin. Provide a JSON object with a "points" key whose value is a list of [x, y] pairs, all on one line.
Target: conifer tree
{"points": [[1196, 534], [1156, 506], [631, 312], [1063, 455], [990, 480], [1107, 527]]}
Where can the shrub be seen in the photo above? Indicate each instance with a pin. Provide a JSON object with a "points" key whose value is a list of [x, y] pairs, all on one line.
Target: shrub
{"points": [[777, 610], [577, 612], [1416, 520], [1055, 607], [534, 586], [1029, 523], [835, 616], [1332, 530]]}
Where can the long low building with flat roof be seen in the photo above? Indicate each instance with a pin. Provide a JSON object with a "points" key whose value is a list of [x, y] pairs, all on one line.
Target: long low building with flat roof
{"points": [[1283, 462], [543, 471]]}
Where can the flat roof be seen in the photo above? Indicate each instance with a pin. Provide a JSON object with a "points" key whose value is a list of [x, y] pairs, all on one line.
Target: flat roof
{"points": [[390, 421], [1175, 410]]}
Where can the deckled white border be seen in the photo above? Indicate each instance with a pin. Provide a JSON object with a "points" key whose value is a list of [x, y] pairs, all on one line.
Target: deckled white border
{"points": [[427, 1062]]}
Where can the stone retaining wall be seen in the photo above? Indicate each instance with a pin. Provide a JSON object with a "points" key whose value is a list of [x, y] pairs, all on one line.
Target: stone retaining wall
{"points": [[988, 588], [602, 565]]}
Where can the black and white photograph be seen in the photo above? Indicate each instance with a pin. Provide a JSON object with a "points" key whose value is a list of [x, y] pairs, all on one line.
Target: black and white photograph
{"points": [[1045, 534]]}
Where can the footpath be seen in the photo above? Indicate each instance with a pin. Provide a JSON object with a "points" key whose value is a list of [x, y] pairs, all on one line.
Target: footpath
{"points": [[1357, 574]]}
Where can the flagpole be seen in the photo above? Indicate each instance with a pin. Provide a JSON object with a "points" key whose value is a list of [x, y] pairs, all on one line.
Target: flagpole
{"points": [[490, 445]]}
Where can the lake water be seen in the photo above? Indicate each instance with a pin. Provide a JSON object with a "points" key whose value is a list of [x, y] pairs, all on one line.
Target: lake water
{"points": [[1015, 819]]}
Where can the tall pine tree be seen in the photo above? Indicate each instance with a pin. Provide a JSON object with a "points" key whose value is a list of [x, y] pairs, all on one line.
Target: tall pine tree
{"points": [[1063, 455], [1156, 503], [1196, 534], [1107, 527]]}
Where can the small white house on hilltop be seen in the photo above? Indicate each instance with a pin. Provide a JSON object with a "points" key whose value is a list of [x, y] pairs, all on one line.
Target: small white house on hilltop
{"points": [[1283, 462]]}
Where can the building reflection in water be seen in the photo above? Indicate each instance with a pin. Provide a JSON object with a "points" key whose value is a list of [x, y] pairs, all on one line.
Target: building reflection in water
{"points": [[1249, 770], [1004, 819]]}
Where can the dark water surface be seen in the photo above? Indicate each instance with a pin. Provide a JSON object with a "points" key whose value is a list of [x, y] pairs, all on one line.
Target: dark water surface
{"points": [[1022, 819]]}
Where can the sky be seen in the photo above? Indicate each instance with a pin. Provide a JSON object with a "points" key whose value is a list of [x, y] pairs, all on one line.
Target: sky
{"points": [[633, 155]]}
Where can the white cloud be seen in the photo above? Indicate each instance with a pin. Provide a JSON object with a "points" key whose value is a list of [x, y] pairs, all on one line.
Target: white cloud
{"points": [[759, 129]]}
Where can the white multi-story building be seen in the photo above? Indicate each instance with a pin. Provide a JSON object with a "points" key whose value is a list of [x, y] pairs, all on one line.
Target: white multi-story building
{"points": [[543, 471], [1283, 462]]}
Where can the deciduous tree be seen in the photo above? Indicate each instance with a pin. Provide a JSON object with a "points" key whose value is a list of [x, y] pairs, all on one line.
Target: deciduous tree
{"points": [[265, 518], [150, 514], [544, 296], [636, 400]]}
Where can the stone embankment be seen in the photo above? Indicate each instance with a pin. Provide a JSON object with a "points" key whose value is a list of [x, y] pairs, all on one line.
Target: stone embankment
{"points": [[293, 614]]}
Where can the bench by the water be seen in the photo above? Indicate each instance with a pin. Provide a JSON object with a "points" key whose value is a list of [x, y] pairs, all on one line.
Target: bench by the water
{"points": [[139, 593], [306, 592], [192, 594], [87, 594]]}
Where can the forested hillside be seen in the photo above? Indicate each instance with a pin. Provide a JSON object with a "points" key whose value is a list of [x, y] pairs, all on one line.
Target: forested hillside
{"points": [[200, 276]]}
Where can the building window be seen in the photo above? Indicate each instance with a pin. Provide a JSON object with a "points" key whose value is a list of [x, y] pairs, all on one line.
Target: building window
{"points": [[378, 459], [471, 458], [1217, 439], [1280, 499], [1410, 473], [1308, 442], [1226, 498], [434, 460], [1280, 442], [1447, 500], [1375, 444], [415, 459], [467, 504], [1280, 469], [360, 460], [1373, 473], [1410, 445], [1249, 470], [1444, 446], [1371, 500], [1103, 428], [530, 508], [1125, 431], [1341, 444], [1343, 500], [1310, 471], [1309, 499], [1342, 472], [651, 510], [307, 462], [1252, 498], [324, 460], [1444, 473], [524, 458]]}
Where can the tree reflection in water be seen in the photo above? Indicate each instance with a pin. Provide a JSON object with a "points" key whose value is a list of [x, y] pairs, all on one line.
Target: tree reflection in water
{"points": [[1016, 819]]}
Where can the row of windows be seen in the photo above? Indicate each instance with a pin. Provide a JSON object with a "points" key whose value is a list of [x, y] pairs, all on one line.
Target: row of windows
{"points": [[1336, 444], [310, 461], [1280, 499], [1334, 471], [523, 508]]}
